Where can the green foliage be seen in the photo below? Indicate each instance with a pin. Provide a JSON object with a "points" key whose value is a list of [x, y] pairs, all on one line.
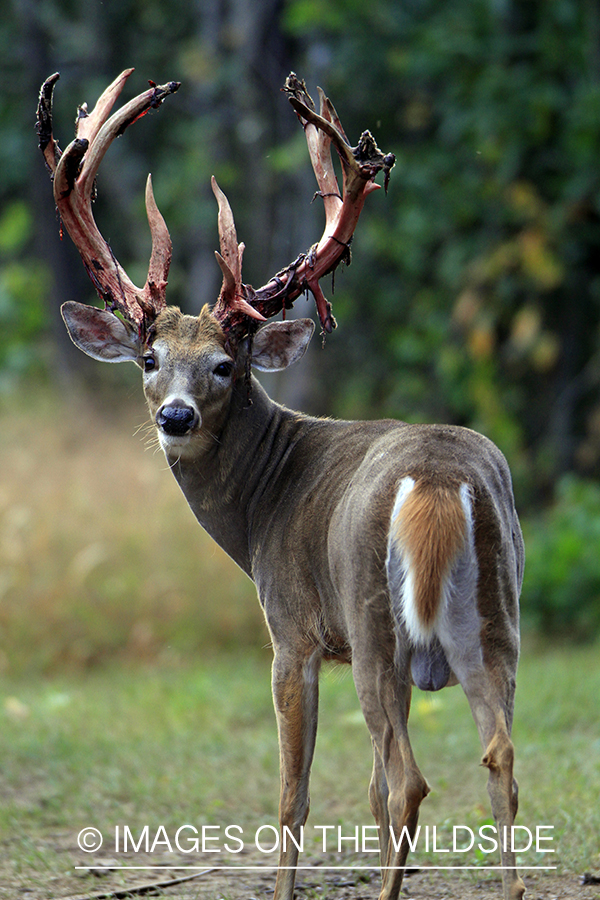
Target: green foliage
{"points": [[478, 277], [475, 294], [23, 289], [561, 590], [15, 227]]}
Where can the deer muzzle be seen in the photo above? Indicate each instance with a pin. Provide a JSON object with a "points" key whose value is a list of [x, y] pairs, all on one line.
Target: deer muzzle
{"points": [[176, 418]]}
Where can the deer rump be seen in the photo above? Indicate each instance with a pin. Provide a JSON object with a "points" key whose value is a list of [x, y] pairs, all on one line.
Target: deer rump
{"points": [[426, 529], [432, 574]]}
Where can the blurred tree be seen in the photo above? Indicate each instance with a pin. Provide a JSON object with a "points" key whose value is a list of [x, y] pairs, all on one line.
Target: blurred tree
{"points": [[476, 294], [493, 223], [232, 59]]}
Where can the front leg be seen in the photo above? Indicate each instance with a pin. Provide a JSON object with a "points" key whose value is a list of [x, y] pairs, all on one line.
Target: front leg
{"points": [[296, 699]]}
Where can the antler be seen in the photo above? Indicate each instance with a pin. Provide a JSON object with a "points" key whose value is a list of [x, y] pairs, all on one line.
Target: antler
{"points": [[74, 173], [360, 165]]}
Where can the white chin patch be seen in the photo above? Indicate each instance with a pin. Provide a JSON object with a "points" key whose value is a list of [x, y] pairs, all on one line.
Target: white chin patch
{"points": [[174, 445]]}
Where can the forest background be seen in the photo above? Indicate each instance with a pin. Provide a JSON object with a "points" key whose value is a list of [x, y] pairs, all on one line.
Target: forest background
{"points": [[474, 293]]}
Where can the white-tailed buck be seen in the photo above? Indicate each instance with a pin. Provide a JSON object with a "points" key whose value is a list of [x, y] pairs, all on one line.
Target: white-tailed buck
{"points": [[393, 547]]}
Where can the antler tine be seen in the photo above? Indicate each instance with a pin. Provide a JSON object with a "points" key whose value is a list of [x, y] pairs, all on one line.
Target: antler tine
{"points": [[360, 165], [74, 173], [231, 298], [162, 252]]}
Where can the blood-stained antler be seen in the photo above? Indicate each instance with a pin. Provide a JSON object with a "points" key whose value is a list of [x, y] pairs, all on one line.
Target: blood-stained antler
{"points": [[74, 173], [360, 165]]}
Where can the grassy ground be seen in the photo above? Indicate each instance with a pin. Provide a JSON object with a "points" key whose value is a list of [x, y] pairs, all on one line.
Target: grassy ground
{"points": [[134, 683], [196, 744]]}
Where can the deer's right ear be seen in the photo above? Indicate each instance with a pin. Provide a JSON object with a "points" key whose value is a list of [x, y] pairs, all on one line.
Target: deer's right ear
{"points": [[279, 344], [100, 333]]}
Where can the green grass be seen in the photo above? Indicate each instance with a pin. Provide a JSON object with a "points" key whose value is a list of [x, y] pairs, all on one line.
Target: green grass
{"points": [[197, 744], [135, 685]]}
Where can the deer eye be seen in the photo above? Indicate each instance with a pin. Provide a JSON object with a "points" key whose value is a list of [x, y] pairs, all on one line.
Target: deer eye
{"points": [[223, 370], [149, 363]]}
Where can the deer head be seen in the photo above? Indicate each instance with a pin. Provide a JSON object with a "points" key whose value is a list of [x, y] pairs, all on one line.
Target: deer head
{"points": [[136, 324]]}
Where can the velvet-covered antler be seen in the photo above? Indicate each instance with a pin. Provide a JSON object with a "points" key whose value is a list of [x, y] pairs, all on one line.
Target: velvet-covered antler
{"points": [[74, 173], [360, 165]]}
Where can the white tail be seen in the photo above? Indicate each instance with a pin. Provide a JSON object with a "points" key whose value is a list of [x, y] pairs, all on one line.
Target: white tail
{"points": [[392, 547]]}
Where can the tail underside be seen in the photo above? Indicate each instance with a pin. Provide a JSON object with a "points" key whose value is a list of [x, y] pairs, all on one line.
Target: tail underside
{"points": [[432, 571]]}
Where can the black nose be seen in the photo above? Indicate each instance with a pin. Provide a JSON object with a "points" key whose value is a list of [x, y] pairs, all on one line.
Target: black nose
{"points": [[176, 418]]}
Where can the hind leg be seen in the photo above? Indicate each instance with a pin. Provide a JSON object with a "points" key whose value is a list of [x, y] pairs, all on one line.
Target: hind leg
{"points": [[397, 786], [492, 710], [378, 801]]}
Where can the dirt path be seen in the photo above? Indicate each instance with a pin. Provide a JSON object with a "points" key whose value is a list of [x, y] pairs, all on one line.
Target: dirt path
{"points": [[73, 883]]}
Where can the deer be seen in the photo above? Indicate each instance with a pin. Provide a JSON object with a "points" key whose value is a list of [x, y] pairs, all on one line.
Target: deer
{"points": [[389, 546]]}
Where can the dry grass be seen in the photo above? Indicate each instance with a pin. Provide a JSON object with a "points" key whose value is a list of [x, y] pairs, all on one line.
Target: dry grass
{"points": [[100, 556]]}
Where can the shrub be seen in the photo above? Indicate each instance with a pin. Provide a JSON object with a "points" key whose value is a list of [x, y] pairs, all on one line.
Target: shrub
{"points": [[561, 590]]}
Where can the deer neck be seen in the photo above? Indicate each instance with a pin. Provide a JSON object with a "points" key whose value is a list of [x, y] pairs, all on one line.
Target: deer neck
{"points": [[225, 484]]}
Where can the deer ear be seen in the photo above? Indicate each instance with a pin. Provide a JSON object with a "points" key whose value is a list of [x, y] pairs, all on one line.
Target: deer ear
{"points": [[100, 333], [279, 344]]}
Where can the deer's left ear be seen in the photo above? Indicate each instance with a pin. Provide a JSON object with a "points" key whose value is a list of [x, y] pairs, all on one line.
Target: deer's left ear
{"points": [[279, 344]]}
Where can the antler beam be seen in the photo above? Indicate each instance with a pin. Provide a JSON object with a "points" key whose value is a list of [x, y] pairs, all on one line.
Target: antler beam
{"points": [[74, 173], [360, 165]]}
